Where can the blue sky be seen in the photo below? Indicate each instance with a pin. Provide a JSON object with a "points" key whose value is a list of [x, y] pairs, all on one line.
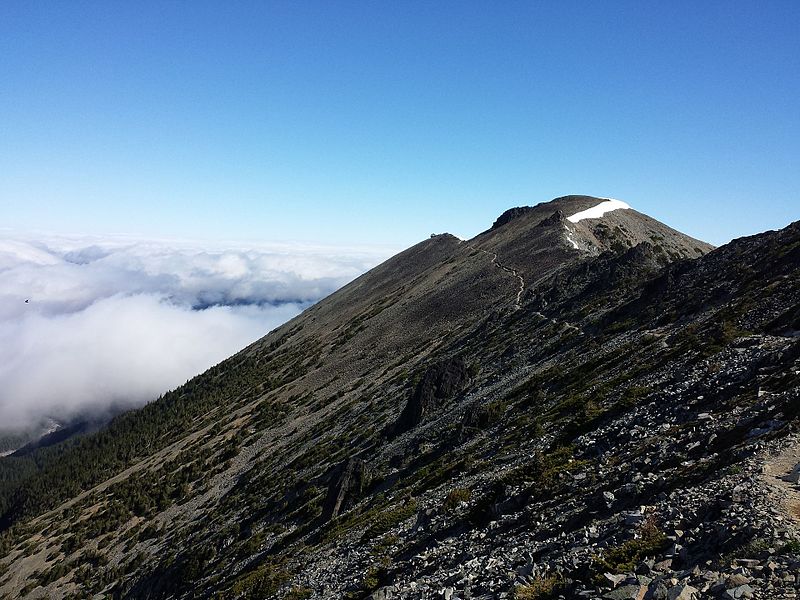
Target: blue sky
{"points": [[381, 122]]}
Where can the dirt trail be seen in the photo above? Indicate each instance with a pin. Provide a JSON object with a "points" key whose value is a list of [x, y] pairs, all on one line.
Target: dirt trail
{"points": [[510, 271], [521, 290], [777, 474]]}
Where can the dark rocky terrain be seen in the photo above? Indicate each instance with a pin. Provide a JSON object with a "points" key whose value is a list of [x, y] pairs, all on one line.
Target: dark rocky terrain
{"points": [[596, 409]]}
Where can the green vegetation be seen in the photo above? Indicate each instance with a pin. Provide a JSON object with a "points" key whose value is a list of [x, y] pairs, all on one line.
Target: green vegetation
{"points": [[383, 521], [544, 469], [439, 471], [633, 395], [455, 497], [260, 583], [370, 582], [792, 547], [625, 557], [32, 484], [298, 592], [378, 519], [543, 587], [492, 412]]}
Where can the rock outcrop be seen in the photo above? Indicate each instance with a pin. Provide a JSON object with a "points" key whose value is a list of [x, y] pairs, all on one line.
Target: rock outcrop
{"points": [[347, 486], [510, 215], [440, 382]]}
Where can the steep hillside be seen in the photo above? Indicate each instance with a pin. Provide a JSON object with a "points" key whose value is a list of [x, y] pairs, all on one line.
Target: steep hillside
{"points": [[580, 403]]}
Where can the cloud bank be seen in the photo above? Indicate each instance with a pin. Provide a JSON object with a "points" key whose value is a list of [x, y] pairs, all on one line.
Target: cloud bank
{"points": [[116, 322]]}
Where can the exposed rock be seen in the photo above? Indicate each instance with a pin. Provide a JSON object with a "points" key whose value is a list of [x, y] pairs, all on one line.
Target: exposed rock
{"points": [[794, 476], [742, 591], [627, 592], [510, 215], [347, 486], [682, 592], [556, 218], [441, 382]]}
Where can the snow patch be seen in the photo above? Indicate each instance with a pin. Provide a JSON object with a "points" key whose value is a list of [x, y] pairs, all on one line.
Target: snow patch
{"points": [[599, 210], [570, 240]]}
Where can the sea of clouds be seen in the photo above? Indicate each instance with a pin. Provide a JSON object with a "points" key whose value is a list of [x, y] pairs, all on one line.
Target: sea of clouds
{"points": [[112, 323]]}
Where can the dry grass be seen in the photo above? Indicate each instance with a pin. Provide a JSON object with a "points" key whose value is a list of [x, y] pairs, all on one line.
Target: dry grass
{"points": [[541, 588]]}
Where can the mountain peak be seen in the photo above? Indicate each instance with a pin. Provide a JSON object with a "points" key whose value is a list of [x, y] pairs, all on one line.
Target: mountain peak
{"points": [[577, 208], [510, 215], [598, 210], [534, 241]]}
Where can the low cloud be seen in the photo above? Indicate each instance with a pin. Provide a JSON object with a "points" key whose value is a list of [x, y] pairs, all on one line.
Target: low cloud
{"points": [[116, 322]]}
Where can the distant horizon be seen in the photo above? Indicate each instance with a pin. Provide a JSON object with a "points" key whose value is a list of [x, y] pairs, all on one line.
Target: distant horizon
{"points": [[221, 242], [380, 123], [205, 243]]}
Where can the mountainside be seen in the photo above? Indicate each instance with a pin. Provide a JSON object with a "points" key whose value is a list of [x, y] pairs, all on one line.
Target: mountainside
{"points": [[579, 401]]}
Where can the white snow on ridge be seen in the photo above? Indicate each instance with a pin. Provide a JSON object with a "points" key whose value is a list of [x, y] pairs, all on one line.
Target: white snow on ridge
{"points": [[570, 240], [599, 210]]}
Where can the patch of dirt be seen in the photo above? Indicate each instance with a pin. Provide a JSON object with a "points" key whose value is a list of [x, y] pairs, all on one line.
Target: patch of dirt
{"points": [[780, 475]]}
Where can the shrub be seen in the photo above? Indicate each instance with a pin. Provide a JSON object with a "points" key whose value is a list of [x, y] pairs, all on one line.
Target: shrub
{"points": [[456, 497], [650, 541], [298, 592], [263, 582], [384, 521], [541, 588]]}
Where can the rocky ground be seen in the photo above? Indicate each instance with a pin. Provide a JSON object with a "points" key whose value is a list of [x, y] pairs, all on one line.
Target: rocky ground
{"points": [[730, 534]]}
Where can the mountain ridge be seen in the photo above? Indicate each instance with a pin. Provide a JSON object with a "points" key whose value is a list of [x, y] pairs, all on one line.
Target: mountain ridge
{"points": [[445, 410]]}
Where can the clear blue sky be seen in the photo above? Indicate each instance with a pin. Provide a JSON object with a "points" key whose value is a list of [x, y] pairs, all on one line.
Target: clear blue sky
{"points": [[385, 121]]}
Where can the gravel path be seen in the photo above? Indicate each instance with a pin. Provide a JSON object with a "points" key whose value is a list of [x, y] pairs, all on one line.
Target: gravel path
{"points": [[778, 475], [510, 271]]}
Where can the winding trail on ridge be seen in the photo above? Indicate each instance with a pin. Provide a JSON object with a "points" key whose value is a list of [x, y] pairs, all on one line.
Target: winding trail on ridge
{"points": [[510, 271], [521, 290]]}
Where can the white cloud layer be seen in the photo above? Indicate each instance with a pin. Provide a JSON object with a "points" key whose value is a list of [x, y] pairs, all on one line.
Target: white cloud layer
{"points": [[116, 322]]}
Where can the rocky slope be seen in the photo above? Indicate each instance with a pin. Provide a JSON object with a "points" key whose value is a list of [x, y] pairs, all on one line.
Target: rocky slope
{"points": [[576, 404]]}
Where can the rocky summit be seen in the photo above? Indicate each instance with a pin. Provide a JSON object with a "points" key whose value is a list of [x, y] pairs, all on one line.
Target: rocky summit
{"points": [[579, 402]]}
